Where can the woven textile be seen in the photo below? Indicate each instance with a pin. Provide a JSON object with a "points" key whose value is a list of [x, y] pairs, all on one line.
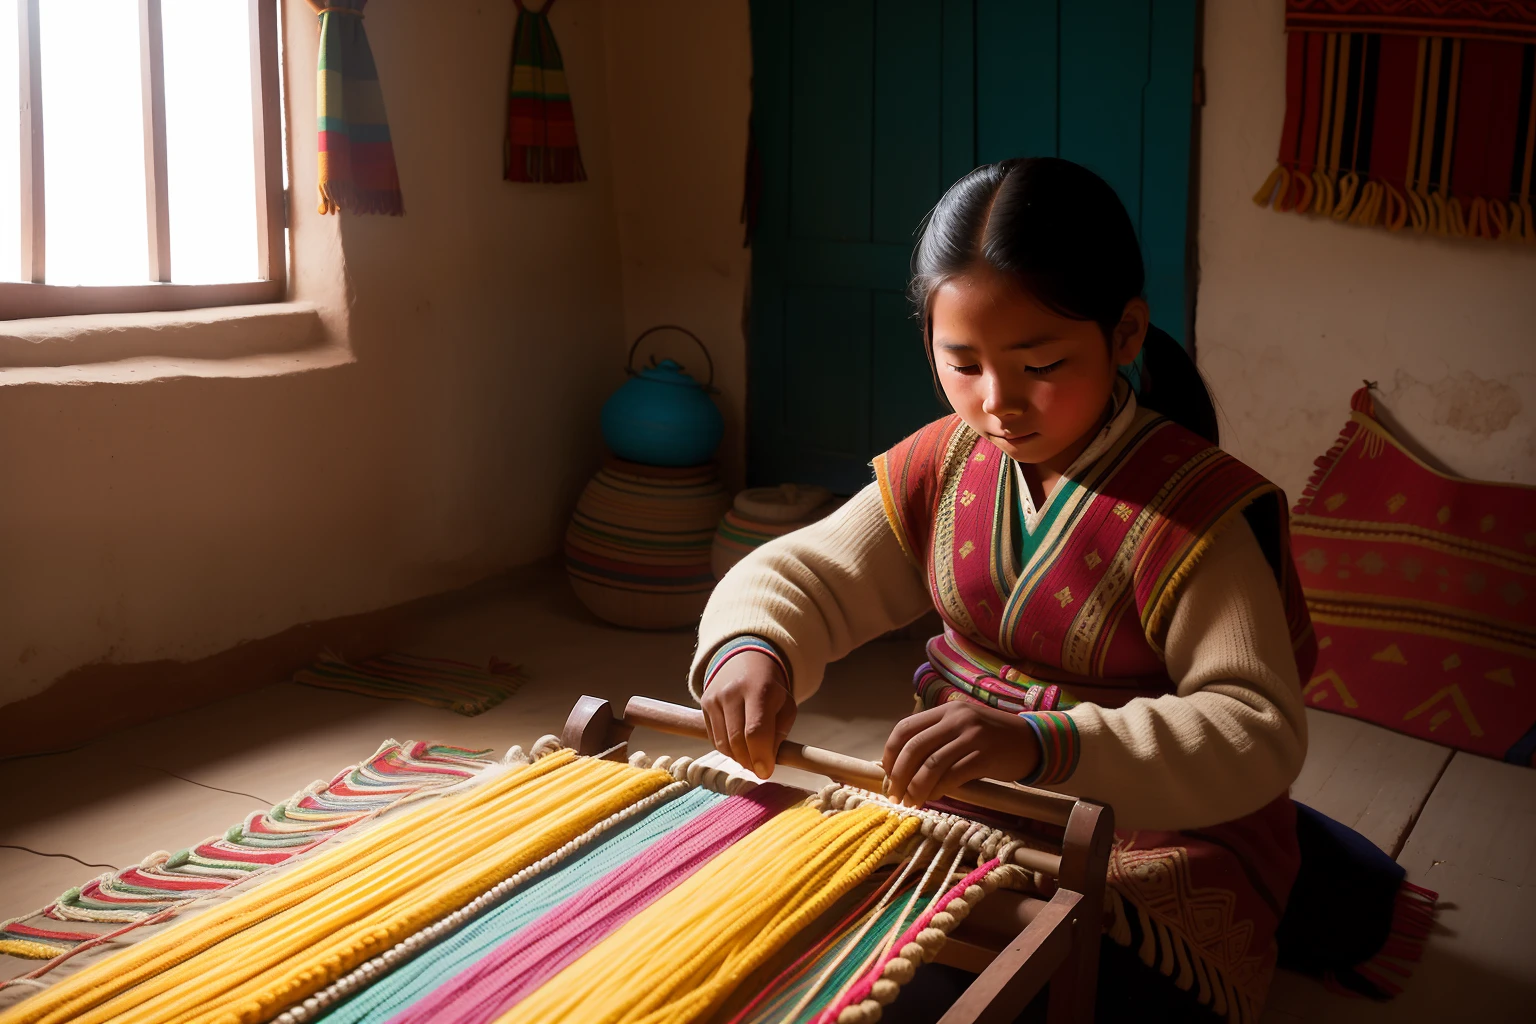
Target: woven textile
{"points": [[1082, 617], [1423, 589], [568, 889], [438, 682], [110, 907], [357, 160], [541, 126], [1410, 113]]}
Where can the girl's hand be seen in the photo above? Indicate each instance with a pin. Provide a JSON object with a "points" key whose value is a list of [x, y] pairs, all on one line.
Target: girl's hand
{"points": [[748, 710], [934, 751]]}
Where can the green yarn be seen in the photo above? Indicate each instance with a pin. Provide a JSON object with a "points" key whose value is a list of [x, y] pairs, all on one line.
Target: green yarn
{"points": [[776, 1011]]}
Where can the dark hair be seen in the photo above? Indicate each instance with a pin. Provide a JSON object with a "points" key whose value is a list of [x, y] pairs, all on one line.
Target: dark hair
{"points": [[1063, 233]]}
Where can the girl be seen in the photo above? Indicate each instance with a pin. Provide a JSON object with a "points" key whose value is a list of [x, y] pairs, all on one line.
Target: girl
{"points": [[1121, 616]]}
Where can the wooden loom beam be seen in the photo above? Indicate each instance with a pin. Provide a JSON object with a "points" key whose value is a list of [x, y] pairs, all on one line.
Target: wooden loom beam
{"points": [[1018, 948]]}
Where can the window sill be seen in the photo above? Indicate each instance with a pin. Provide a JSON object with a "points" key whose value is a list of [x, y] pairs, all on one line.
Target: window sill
{"points": [[233, 341]]}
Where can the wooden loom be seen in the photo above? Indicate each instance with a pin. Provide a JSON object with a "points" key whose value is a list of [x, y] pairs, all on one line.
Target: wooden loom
{"points": [[1016, 944]]}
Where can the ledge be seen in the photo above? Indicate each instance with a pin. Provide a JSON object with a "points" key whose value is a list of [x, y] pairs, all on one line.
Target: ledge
{"points": [[105, 348]]}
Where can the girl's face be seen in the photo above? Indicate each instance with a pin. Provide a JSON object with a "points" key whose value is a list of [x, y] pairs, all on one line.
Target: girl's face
{"points": [[1036, 383]]}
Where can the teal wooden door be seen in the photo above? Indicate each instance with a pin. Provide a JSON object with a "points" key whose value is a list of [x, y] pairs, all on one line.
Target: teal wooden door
{"points": [[864, 111]]}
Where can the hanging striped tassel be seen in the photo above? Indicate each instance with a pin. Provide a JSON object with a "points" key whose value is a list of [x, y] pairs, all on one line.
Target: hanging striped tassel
{"points": [[541, 126]]}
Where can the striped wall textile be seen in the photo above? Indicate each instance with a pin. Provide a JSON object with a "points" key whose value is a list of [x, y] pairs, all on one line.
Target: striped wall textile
{"points": [[575, 889], [357, 160], [1423, 589], [541, 126], [117, 907], [1410, 114]]}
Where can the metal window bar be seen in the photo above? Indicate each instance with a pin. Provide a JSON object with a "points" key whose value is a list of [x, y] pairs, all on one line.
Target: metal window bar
{"points": [[33, 296]]}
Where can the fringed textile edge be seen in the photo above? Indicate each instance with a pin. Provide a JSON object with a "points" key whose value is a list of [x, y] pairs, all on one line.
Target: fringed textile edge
{"points": [[549, 165], [1361, 404], [1175, 958], [337, 196], [162, 885], [1379, 203], [1383, 975]]}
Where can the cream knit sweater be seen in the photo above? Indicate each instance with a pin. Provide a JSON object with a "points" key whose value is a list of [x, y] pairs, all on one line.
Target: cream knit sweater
{"points": [[1229, 740]]}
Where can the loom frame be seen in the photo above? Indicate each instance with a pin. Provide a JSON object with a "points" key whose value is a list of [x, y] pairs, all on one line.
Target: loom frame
{"points": [[1017, 945]]}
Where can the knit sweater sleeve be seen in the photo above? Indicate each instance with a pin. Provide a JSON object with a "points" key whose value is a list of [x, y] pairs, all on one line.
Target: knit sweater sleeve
{"points": [[1233, 735], [816, 593]]}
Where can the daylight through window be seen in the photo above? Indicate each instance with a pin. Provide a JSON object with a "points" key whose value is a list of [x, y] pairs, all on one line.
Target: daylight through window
{"points": [[142, 152]]}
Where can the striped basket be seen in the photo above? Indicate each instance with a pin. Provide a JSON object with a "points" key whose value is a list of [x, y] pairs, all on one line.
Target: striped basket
{"points": [[759, 515], [638, 547]]}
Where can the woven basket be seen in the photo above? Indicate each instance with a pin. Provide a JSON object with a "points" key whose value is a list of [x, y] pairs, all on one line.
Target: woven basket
{"points": [[762, 514], [638, 547]]}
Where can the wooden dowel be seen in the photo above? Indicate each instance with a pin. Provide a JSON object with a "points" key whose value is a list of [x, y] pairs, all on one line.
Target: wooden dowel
{"points": [[1025, 803]]}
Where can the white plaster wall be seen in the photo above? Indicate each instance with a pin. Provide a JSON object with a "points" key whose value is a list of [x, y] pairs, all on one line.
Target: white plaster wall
{"points": [[177, 517], [1294, 312], [680, 93]]}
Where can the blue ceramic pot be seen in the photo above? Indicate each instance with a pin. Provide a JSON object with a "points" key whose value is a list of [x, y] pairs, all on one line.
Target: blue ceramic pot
{"points": [[662, 416]]}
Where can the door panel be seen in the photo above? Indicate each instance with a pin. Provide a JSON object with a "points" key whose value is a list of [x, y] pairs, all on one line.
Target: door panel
{"points": [[908, 61], [864, 111], [830, 135], [826, 369], [903, 391], [1103, 69], [1015, 79]]}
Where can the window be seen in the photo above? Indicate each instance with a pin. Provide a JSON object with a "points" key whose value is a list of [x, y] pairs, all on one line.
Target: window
{"points": [[144, 170]]}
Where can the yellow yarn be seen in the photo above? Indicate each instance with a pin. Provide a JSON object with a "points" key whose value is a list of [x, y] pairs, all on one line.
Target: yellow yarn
{"points": [[28, 949], [695, 943], [282, 941]]}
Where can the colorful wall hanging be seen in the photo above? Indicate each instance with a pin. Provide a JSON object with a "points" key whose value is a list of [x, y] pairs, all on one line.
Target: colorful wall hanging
{"points": [[357, 160], [1422, 589], [1410, 113], [541, 127]]}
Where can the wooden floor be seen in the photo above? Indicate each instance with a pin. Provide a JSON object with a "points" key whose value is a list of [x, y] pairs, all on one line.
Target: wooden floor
{"points": [[1462, 825]]}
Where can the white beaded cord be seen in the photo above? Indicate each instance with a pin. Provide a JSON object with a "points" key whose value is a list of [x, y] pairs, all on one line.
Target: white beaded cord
{"points": [[901, 967], [373, 969], [848, 949], [545, 745]]}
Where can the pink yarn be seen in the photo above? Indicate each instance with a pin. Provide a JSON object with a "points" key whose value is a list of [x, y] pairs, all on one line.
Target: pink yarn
{"points": [[859, 990], [527, 959]]}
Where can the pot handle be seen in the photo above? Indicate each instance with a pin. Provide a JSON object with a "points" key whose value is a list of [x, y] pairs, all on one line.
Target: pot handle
{"points": [[629, 364]]}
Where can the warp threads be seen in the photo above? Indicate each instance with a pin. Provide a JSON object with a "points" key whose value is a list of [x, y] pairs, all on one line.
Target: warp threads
{"points": [[602, 848], [287, 939], [526, 897]]}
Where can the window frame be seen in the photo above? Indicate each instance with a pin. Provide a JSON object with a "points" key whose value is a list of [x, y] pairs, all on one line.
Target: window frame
{"points": [[33, 297]]}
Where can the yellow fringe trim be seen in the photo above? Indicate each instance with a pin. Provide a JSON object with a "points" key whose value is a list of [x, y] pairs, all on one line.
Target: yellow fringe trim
{"points": [[1155, 619], [1379, 204]]}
